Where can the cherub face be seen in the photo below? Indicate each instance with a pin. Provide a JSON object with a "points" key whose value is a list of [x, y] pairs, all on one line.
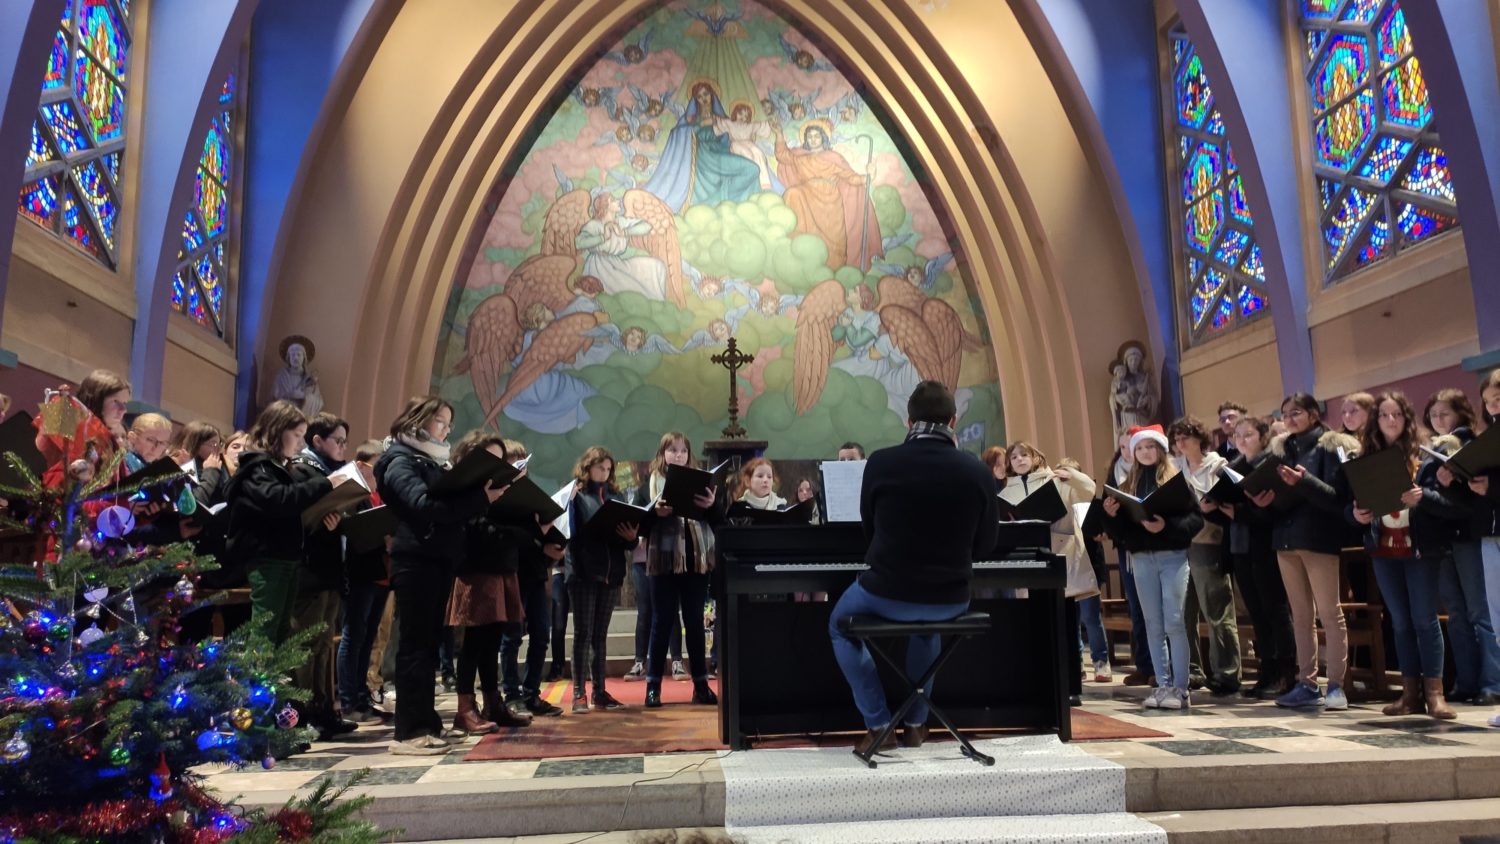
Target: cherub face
{"points": [[633, 339], [711, 287], [654, 107], [803, 59], [770, 305], [589, 96], [741, 114], [766, 105], [640, 162], [646, 133], [796, 110], [848, 114], [718, 329], [623, 132], [852, 297], [634, 54], [915, 275]]}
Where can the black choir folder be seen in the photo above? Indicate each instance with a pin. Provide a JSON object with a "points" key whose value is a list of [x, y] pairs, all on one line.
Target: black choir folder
{"points": [[792, 514], [1235, 488], [18, 437], [478, 467], [344, 498], [1173, 498], [523, 501], [366, 530], [684, 484], [1379, 480], [1479, 457], [1043, 505], [607, 519]]}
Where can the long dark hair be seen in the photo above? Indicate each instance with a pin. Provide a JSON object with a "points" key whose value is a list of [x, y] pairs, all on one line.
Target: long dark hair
{"points": [[1457, 401], [418, 412], [279, 417], [98, 386], [1372, 440]]}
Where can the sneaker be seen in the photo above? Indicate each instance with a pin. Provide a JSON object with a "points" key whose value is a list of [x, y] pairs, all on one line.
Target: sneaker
{"points": [[604, 700], [1173, 698], [580, 702], [636, 672], [454, 734], [1336, 699], [1101, 672], [1495, 720], [678, 672], [1302, 696], [541, 708], [421, 746], [1153, 700], [364, 715]]}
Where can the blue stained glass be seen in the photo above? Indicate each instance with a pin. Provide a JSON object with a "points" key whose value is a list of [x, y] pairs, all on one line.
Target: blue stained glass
{"points": [[1250, 302], [1361, 11], [1315, 39], [102, 34], [1195, 266], [195, 307], [1215, 123], [77, 226], [1231, 247], [96, 192], [1238, 205], [226, 92], [1255, 266], [112, 164], [56, 75], [65, 126], [1382, 162], [179, 293], [39, 199], [1327, 190], [192, 235], [1224, 314], [1337, 232], [1179, 46], [1429, 175], [67, 15], [1208, 289], [1319, 9], [1377, 241], [208, 278], [38, 151], [1418, 223]]}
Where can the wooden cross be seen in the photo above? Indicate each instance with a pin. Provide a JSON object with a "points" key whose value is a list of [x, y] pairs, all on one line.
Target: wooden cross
{"points": [[732, 359]]}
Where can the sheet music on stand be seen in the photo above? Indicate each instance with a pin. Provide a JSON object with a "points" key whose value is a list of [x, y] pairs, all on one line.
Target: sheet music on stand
{"points": [[842, 480]]}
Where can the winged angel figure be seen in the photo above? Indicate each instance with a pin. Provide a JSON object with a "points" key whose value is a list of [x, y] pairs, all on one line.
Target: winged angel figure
{"points": [[538, 323], [594, 227], [927, 332]]}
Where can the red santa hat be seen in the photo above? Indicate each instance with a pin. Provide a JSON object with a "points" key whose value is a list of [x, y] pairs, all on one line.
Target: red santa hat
{"points": [[1153, 433]]}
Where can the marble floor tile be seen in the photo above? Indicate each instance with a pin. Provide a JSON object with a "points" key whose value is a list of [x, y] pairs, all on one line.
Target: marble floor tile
{"points": [[1255, 732], [481, 772], [1207, 748], [591, 767], [1125, 749], [1305, 744], [243, 782], [389, 760], [376, 776], [1401, 740]]}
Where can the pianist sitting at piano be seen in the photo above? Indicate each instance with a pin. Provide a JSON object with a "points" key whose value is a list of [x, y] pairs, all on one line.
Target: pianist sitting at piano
{"points": [[928, 511]]}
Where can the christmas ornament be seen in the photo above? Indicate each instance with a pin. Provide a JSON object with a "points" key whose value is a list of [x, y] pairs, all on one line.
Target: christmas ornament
{"points": [[287, 718], [116, 521], [17, 749], [62, 631], [183, 589], [262, 694], [94, 610], [219, 736], [67, 671], [84, 544], [90, 635], [128, 605], [241, 718], [179, 697], [119, 756], [34, 627], [161, 779], [94, 596], [187, 504], [268, 763], [61, 414]]}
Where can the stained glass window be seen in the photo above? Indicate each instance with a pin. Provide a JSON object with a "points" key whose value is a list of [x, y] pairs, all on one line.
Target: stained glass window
{"points": [[72, 181], [1376, 151], [1224, 275], [198, 285]]}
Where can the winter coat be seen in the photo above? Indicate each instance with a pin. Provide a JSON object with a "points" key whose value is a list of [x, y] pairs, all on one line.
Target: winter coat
{"points": [[265, 510], [1202, 481], [1134, 538], [323, 557], [429, 533], [1067, 532], [590, 558], [1311, 523], [1441, 516]]}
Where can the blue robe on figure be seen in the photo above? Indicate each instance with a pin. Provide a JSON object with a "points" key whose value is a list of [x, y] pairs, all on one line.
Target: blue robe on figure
{"points": [[697, 168]]}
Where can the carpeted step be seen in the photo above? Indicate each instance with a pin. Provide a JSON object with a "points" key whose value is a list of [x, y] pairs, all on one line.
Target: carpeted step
{"points": [[1112, 828]]}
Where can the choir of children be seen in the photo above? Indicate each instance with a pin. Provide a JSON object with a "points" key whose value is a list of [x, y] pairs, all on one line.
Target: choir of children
{"points": [[453, 562]]}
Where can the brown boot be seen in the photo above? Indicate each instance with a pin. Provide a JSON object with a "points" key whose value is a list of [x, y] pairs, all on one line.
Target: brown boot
{"points": [[1437, 707], [1411, 702], [468, 718], [495, 710]]}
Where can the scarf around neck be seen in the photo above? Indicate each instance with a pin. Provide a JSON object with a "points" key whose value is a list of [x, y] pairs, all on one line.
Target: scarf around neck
{"points": [[441, 452], [931, 431], [769, 502]]}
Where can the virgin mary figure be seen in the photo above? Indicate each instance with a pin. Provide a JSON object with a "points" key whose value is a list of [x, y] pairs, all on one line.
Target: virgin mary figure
{"points": [[697, 167]]}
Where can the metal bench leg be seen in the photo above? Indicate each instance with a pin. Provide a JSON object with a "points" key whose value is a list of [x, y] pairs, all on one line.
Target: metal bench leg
{"points": [[916, 691]]}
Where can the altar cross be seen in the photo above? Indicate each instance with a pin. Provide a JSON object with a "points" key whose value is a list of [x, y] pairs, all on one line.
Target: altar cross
{"points": [[732, 359]]}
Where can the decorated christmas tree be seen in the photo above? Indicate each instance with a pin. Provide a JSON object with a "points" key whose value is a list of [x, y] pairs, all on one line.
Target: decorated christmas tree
{"points": [[104, 710]]}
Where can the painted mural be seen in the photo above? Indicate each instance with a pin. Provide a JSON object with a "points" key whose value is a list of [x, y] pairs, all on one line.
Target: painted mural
{"points": [[712, 175]]}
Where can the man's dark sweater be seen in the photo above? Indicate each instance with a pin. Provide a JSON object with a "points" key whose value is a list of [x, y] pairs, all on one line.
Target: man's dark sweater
{"points": [[929, 511]]}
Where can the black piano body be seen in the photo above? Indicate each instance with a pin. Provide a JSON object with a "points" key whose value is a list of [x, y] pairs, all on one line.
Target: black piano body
{"points": [[777, 671]]}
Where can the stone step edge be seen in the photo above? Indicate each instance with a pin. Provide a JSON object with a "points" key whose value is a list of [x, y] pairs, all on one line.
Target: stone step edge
{"points": [[1443, 820]]}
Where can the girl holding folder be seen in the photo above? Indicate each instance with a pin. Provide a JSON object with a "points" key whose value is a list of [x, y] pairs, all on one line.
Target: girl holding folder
{"points": [[1158, 556], [1486, 515], [1406, 547], [427, 543], [679, 557], [1461, 581], [596, 568], [1213, 591], [1308, 541]]}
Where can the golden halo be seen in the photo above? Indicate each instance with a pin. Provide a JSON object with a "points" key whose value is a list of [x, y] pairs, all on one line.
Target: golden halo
{"points": [[306, 344], [822, 125], [737, 103], [712, 86]]}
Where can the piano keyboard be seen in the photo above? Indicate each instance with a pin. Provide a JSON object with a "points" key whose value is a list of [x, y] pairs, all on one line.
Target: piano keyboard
{"points": [[860, 566]]}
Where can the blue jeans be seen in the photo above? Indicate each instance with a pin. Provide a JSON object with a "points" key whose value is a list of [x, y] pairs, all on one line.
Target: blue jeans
{"points": [[1476, 655], [645, 615], [859, 666], [1410, 589], [363, 607], [1090, 610], [1140, 650], [1161, 582], [678, 602], [1489, 549], [538, 627]]}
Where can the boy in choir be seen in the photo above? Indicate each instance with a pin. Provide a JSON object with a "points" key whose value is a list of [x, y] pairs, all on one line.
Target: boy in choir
{"points": [[928, 511], [1230, 414], [851, 451], [1212, 591], [535, 558], [321, 581]]}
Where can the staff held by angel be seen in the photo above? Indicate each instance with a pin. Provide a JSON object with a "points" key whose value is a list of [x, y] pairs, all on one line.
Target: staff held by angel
{"points": [[830, 198]]}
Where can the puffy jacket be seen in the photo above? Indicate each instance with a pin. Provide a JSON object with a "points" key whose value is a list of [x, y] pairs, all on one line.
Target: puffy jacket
{"points": [[1438, 519], [1312, 522], [588, 557], [265, 509], [1131, 536], [323, 557], [429, 531]]}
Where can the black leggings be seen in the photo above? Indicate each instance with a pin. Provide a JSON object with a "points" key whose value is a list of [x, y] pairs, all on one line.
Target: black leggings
{"points": [[480, 654]]}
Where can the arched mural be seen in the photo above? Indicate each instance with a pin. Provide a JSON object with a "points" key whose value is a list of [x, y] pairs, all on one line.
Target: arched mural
{"points": [[713, 174]]}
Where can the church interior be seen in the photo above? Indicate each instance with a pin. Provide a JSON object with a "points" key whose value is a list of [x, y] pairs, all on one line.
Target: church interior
{"points": [[565, 218]]}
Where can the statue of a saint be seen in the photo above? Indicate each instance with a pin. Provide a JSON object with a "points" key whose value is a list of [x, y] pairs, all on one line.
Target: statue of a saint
{"points": [[296, 382], [1133, 397]]}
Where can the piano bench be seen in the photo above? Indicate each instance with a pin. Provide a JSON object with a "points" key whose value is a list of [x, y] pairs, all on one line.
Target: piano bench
{"points": [[868, 629]]}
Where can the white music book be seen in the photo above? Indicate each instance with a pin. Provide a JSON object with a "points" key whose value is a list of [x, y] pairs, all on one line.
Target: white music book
{"points": [[842, 481]]}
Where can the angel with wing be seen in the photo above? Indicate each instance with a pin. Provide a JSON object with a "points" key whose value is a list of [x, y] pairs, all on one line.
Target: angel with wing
{"points": [[922, 277], [715, 334], [593, 227], [632, 53], [633, 340], [803, 59]]}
